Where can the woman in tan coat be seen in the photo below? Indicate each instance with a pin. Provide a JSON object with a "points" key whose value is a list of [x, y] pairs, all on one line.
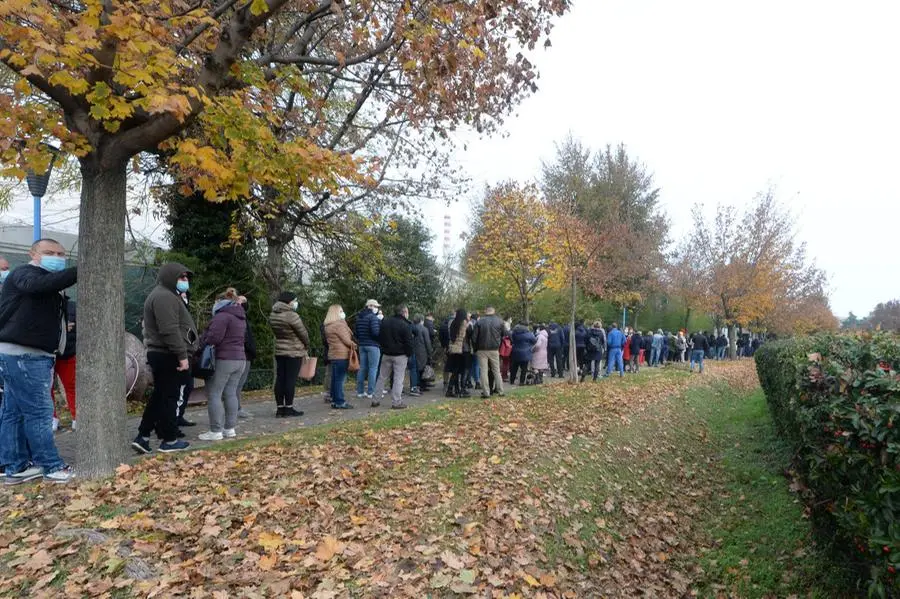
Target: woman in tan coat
{"points": [[340, 344], [291, 346]]}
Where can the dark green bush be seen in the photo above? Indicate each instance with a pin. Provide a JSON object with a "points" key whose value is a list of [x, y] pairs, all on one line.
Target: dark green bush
{"points": [[836, 399]]}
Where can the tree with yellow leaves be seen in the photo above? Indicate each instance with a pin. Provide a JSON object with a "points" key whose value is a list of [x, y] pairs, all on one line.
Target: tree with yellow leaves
{"points": [[510, 247]]}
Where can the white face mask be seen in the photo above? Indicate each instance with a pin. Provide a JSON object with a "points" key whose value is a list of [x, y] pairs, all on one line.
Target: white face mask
{"points": [[295, 305], [380, 316], [374, 310], [342, 315]]}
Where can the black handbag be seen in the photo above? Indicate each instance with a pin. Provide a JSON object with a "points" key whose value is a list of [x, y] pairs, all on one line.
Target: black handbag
{"points": [[206, 364]]}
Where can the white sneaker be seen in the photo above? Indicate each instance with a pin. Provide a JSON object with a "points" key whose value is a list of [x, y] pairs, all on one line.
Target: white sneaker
{"points": [[61, 476], [360, 396], [26, 475], [229, 433], [74, 426], [55, 425], [210, 436]]}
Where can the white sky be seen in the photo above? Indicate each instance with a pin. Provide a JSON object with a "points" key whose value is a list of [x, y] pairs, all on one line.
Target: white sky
{"points": [[720, 100]]}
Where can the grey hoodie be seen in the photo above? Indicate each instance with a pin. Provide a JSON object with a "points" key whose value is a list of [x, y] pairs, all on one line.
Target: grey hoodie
{"points": [[168, 326]]}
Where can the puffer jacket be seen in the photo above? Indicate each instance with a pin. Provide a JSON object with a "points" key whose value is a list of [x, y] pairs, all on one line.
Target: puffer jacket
{"points": [[523, 341], [227, 331], [291, 337], [368, 328], [339, 340], [458, 345]]}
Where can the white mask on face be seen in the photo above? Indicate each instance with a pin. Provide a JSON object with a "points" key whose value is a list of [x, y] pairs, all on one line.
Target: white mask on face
{"points": [[342, 315], [295, 305]]}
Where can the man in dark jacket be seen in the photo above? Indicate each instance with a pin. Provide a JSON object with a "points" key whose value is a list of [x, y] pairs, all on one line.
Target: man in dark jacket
{"points": [[368, 330], [170, 336], [32, 331], [486, 340], [555, 349], [396, 347], [701, 346]]}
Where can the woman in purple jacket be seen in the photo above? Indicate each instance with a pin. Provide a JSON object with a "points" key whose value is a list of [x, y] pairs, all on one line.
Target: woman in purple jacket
{"points": [[226, 333]]}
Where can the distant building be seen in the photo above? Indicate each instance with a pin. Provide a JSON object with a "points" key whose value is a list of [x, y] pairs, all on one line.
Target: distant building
{"points": [[16, 240]]}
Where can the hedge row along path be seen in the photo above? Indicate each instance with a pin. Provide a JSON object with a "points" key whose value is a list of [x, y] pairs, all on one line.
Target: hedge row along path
{"points": [[615, 488]]}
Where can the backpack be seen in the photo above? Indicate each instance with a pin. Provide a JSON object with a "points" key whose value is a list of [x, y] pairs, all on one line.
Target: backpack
{"points": [[593, 343], [505, 347]]}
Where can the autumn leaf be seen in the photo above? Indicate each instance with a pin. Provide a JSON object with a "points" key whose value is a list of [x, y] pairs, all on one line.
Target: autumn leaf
{"points": [[38, 561], [267, 562], [271, 541], [328, 547]]}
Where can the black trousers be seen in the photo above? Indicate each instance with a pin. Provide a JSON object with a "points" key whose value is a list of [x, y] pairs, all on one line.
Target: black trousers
{"points": [[555, 355], [160, 413], [286, 372], [522, 368], [185, 388]]}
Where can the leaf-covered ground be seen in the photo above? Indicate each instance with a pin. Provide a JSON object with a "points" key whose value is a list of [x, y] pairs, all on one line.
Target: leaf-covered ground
{"points": [[609, 489]]}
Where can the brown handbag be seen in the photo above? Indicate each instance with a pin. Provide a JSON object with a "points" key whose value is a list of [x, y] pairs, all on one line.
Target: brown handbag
{"points": [[354, 360], [308, 368]]}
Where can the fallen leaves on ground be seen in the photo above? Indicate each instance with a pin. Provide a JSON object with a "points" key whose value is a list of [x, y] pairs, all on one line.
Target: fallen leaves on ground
{"points": [[487, 498]]}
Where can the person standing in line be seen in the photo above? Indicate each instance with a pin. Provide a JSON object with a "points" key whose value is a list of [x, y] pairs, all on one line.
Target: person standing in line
{"points": [[291, 346], [170, 336], [554, 349], [32, 331], [456, 334], [468, 362], [615, 342], [580, 345], [700, 344], [444, 339], [250, 353], [339, 341], [636, 342], [227, 332], [368, 329], [396, 348], [186, 383], [721, 346], [64, 367], [489, 332], [523, 341], [680, 346], [421, 355], [595, 345], [539, 361], [4, 270]]}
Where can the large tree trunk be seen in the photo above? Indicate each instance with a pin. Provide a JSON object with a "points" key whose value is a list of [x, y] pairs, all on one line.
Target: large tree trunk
{"points": [[732, 341], [274, 272], [687, 319], [100, 376], [573, 352]]}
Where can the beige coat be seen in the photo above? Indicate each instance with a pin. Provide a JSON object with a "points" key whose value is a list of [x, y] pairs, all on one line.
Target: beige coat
{"points": [[339, 339], [291, 337]]}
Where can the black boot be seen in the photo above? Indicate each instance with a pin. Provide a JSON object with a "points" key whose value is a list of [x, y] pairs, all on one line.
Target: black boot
{"points": [[451, 387], [290, 412], [280, 412]]}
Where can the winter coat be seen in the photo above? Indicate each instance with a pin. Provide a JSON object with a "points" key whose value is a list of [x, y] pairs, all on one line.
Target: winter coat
{"points": [[600, 335], [700, 342], [168, 326], [368, 328], [421, 343], [637, 343], [658, 341], [722, 341], [488, 333], [291, 337], [580, 336], [444, 333], [249, 340], [626, 353], [539, 355], [680, 343], [339, 340], [71, 332], [523, 340], [226, 332], [555, 337], [615, 339], [395, 336]]}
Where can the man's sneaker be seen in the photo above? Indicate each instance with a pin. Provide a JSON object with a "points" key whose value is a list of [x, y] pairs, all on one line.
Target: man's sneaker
{"points": [[399, 406], [360, 396], [74, 426], [415, 392], [229, 433], [244, 414], [55, 425], [61, 476], [173, 446], [290, 412], [210, 436], [375, 404], [370, 396], [30, 473], [141, 444], [342, 406]]}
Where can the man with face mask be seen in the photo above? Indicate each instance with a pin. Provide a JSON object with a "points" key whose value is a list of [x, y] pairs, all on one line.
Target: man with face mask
{"points": [[4, 270], [170, 336], [32, 331], [368, 329]]}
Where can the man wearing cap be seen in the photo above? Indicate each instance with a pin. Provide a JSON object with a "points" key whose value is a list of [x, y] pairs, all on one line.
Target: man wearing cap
{"points": [[368, 328], [170, 336]]}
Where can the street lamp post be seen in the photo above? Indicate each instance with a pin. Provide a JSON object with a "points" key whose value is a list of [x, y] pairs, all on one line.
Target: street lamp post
{"points": [[37, 185]]}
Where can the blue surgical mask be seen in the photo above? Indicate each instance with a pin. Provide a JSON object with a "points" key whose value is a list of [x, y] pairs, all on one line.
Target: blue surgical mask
{"points": [[53, 263], [182, 286], [3, 275]]}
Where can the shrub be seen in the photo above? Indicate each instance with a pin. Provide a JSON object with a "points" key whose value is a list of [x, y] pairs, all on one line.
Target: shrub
{"points": [[836, 399]]}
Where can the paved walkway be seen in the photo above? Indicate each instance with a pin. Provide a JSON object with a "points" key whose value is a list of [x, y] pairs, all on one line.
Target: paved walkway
{"points": [[316, 412]]}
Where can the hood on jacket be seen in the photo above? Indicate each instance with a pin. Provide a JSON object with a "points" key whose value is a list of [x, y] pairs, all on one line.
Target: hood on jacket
{"points": [[232, 308], [282, 307], [169, 273], [521, 328]]}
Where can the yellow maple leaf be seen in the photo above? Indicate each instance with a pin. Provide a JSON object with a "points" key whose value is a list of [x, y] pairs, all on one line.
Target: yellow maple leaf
{"points": [[270, 541], [328, 547]]}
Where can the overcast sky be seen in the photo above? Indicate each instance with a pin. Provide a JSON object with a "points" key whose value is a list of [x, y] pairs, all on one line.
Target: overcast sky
{"points": [[721, 100]]}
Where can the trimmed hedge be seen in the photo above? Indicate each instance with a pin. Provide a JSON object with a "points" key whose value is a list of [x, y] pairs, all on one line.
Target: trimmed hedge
{"points": [[836, 399]]}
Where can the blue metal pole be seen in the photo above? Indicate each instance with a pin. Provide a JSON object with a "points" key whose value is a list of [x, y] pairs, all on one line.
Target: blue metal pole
{"points": [[623, 317], [37, 217]]}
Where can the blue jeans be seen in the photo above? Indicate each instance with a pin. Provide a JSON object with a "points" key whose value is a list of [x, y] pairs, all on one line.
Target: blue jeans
{"points": [[697, 356], [722, 352], [338, 377], [27, 414], [413, 372], [654, 356], [476, 372], [615, 359], [369, 356]]}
